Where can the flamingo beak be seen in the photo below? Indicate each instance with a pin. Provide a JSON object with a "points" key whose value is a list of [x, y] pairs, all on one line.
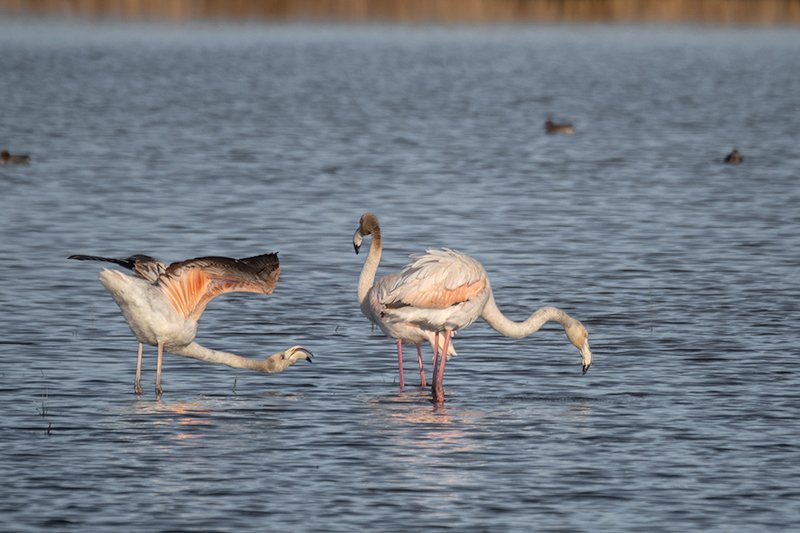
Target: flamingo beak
{"points": [[357, 240], [310, 355], [586, 355], [293, 350]]}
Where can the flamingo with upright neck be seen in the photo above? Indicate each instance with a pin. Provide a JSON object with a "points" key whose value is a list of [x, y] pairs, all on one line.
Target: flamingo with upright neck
{"points": [[162, 304], [445, 290], [371, 292]]}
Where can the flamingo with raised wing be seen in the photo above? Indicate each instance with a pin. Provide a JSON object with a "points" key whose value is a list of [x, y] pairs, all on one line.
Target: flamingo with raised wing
{"points": [[445, 290], [370, 294], [162, 304]]}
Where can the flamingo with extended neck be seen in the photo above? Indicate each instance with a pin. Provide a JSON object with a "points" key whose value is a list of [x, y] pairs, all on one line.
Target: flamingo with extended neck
{"points": [[163, 303], [371, 292], [445, 290]]}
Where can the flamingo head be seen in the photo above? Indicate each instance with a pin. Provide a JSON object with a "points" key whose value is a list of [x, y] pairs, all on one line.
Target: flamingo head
{"points": [[297, 352], [282, 360], [367, 226], [578, 336]]}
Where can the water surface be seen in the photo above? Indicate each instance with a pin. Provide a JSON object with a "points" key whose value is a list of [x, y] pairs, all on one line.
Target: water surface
{"points": [[236, 140]]}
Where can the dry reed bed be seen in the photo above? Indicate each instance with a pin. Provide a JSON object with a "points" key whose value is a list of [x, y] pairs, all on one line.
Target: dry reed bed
{"points": [[750, 12]]}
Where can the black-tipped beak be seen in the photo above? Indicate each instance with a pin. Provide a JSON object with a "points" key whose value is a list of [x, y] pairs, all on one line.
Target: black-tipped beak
{"points": [[293, 351], [357, 239], [310, 355], [586, 356]]}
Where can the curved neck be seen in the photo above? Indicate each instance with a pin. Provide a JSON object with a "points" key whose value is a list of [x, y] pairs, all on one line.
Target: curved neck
{"points": [[194, 350], [367, 279], [498, 321]]}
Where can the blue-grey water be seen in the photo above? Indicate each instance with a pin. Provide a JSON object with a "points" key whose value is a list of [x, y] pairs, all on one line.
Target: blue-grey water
{"points": [[235, 140]]}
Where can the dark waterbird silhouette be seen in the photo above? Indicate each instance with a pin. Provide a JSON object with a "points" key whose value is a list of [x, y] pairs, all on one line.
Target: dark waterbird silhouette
{"points": [[8, 159], [558, 128], [734, 157]]}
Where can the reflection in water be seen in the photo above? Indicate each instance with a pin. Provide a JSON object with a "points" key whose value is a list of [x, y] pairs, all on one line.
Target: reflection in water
{"points": [[426, 438], [205, 412], [581, 411], [438, 426], [423, 424], [176, 415], [414, 422]]}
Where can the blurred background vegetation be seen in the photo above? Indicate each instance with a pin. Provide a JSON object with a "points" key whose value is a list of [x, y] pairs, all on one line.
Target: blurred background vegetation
{"points": [[722, 12]]}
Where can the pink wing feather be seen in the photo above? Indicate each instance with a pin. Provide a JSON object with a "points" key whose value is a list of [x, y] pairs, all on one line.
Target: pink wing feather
{"points": [[437, 279], [191, 284]]}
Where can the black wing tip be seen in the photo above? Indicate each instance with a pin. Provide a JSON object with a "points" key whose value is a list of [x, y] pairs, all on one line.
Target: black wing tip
{"points": [[260, 263], [273, 255], [81, 257], [128, 262]]}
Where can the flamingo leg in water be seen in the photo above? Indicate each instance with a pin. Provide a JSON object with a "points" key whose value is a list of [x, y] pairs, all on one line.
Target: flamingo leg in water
{"points": [[438, 374], [444, 353], [421, 369], [137, 386], [158, 370], [435, 356], [400, 360]]}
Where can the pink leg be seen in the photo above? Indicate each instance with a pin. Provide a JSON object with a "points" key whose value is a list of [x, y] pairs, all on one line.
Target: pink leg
{"points": [[435, 355], [421, 369], [158, 371], [444, 354], [400, 360], [436, 389], [137, 388]]}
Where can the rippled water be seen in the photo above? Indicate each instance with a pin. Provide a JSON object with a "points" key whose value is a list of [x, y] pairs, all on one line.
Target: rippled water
{"points": [[236, 140]]}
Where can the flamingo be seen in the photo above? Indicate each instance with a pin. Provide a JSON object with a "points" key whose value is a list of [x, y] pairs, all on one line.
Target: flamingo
{"points": [[162, 304], [558, 128], [445, 290], [370, 293]]}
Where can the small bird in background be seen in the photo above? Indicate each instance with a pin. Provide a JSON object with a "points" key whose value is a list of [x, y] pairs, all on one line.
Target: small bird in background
{"points": [[558, 128], [8, 159], [734, 157]]}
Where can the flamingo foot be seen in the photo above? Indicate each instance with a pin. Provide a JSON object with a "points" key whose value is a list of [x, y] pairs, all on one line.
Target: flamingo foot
{"points": [[437, 392]]}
